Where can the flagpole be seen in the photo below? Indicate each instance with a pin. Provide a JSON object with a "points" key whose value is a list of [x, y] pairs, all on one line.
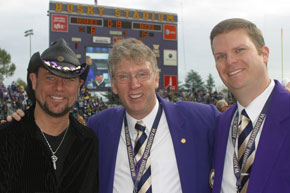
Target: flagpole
{"points": [[282, 54]]}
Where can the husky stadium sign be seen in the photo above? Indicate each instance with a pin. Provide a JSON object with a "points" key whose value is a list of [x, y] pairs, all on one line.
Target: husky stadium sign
{"points": [[91, 31]]}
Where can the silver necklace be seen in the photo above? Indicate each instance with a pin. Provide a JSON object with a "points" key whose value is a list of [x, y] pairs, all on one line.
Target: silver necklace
{"points": [[54, 157]]}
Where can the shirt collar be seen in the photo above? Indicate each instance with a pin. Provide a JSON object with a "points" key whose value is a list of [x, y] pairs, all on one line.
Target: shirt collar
{"points": [[255, 107]]}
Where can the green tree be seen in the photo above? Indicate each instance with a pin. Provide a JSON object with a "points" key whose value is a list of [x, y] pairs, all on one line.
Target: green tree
{"points": [[21, 82], [181, 87], [210, 84], [193, 81], [7, 68]]}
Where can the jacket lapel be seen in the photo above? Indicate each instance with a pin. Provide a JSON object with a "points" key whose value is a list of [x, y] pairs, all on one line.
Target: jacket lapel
{"points": [[177, 131], [111, 146], [271, 140], [221, 140], [187, 146]]}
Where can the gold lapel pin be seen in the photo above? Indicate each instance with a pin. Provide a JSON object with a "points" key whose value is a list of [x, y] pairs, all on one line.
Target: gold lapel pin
{"points": [[183, 140]]}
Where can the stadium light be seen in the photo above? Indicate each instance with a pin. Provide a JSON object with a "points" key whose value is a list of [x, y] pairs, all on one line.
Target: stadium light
{"points": [[29, 33]]}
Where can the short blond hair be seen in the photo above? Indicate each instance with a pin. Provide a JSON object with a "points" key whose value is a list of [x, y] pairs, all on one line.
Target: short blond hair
{"points": [[131, 49]]}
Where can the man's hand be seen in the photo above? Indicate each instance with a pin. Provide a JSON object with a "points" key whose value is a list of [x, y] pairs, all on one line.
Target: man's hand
{"points": [[16, 116]]}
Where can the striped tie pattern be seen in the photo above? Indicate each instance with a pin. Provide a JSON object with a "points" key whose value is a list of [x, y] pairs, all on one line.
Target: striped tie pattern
{"points": [[245, 130], [145, 185]]}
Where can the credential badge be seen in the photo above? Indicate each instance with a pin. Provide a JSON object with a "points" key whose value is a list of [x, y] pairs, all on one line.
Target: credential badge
{"points": [[211, 177]]}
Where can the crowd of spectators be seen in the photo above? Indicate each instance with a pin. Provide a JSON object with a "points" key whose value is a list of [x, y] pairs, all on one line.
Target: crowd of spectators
{"points": [[14, 97], [200, 96], [88, 105]]}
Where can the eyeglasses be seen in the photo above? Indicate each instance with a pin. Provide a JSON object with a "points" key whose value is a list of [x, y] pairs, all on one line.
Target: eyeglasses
{"points": [[124, 78]]}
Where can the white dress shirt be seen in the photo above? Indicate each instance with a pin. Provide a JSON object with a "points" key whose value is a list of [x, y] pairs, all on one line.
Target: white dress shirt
{"points": [[253, 110], [164, 171]]}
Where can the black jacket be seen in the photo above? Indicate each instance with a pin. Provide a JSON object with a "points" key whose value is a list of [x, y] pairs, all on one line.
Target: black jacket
{"points": [[26, 166]]}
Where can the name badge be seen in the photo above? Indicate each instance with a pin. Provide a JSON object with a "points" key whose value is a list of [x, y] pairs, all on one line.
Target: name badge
{"points": [[211, 177]]}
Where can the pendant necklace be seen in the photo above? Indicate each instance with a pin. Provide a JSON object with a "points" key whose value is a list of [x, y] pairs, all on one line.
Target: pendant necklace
{"points": [[54, 157]]}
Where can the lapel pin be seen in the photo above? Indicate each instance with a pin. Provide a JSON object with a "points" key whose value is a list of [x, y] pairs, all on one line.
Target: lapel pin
{"points": [[183, 140]]}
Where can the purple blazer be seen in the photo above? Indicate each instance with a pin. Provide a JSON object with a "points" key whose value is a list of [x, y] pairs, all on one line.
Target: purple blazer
{"points": [[271, 167], [193, 121]]}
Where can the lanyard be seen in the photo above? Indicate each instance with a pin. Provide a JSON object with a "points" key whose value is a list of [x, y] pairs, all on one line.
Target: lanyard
{"points": [[137, 172], [251, 142]]}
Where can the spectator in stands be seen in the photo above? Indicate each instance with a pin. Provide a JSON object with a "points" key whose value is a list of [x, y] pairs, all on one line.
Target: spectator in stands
{"points": [[222, 105]]}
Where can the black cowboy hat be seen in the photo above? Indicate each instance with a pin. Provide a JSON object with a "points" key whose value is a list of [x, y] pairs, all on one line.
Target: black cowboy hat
{"points": [[60, 60]]}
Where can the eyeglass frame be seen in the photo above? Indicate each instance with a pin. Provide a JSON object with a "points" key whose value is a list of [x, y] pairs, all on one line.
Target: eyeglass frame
{"points": [[130, 77]]}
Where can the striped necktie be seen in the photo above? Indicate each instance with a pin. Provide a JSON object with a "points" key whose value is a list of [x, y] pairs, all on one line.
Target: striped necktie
{"points": [[245, 130], [145, 185]]}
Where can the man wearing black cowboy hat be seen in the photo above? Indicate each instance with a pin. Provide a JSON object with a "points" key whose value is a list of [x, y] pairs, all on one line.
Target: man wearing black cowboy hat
{"points": [[49, 150]]}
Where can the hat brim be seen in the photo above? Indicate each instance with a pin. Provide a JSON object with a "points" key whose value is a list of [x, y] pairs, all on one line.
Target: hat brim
{"points": [[61, 69]]}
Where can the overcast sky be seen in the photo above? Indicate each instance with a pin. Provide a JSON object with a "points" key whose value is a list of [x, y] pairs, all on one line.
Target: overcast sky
{"points": [[196, 19]]}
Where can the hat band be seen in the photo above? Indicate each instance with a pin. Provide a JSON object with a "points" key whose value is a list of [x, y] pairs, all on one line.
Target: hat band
{"points": [[52, 64]]}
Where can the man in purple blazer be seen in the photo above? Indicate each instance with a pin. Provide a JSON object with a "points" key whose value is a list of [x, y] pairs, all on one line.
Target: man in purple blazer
{"points": [[252, 141], [179, 149]]}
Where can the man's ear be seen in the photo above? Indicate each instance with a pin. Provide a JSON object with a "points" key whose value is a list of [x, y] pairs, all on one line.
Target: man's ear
{"points": [[156, 80], [81, 82], [265, 52], [113, 86], [33, 77]]}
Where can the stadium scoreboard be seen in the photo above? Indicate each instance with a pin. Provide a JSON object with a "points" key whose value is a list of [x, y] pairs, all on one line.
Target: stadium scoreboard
{"points": [[92, 30]]}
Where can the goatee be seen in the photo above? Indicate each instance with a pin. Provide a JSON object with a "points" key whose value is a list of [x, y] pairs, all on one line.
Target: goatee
{"points": [[45, 108]]}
